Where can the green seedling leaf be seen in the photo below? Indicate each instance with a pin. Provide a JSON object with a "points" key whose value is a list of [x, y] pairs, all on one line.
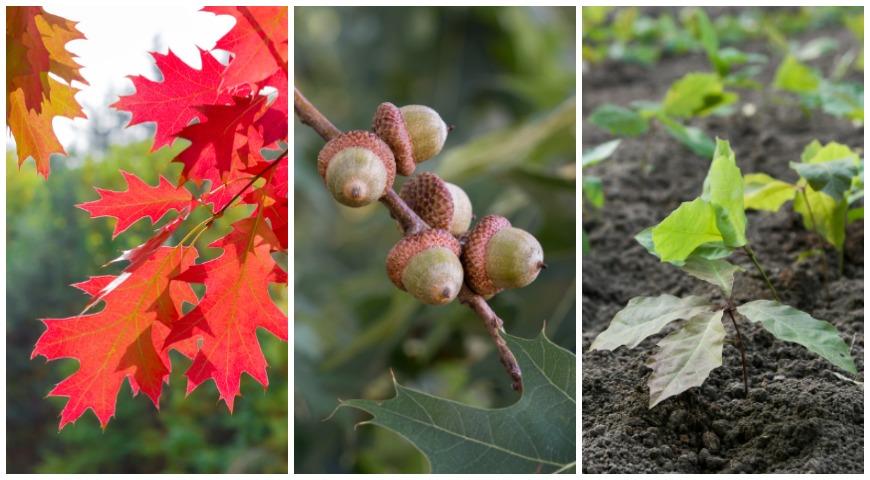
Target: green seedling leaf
{"points": [[534, 435], [686, 357], [723, 188], [708, 251], [792, 325], [843, 100], [693, 138], [806, 254], [719, 272], [619, 120], [696, 94], [811, 150], [854, 214], [816, 153], [645, 316], [833, 177], [793, 76], [763, 192], [828, 215], [599, 153], [692, 224], [593, 191], [710, 42]]}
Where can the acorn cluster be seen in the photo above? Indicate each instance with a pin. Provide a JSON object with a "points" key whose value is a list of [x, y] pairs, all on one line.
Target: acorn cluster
{"points": [[359, 167]]}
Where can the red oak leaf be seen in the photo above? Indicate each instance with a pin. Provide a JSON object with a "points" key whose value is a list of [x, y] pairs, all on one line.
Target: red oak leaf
{"points": [[35, 47], [258, 43], [124, 340], [171, 103], [272, 200], [138, 201], [235, 304], [228, 138]]}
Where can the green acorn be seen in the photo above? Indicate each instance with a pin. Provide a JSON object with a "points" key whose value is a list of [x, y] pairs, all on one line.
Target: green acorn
{"points": [[357, 167], [427, 266], [415, 133], [498, 256]]}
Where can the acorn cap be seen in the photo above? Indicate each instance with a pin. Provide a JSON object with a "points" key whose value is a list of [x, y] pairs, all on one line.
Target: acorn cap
{"points": [[474, 254], [389, 124], [405, 251], [440, 204], [357, 167]]}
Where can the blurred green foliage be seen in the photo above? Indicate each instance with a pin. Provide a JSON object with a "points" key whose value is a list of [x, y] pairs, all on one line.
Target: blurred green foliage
{"points": [[644, 34], [505, 77], [51, 244]]}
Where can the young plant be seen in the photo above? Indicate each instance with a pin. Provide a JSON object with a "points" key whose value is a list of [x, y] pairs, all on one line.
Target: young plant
{"points": [[831, 179], [593, 190], [814, 91], [694, 95], [698, 237]]}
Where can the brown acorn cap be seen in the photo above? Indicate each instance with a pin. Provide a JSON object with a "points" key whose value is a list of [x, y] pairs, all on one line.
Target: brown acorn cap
{"points": [[402, 253], [389, 124], [363, 142], [474, 254], [430, 198]]}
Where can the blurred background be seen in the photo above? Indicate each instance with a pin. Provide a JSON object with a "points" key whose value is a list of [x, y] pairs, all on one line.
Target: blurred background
{"points": [[505, 77], [50, 244]]}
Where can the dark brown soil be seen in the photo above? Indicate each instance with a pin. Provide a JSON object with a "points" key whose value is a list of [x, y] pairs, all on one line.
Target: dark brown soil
{"points": [[798, 417]]}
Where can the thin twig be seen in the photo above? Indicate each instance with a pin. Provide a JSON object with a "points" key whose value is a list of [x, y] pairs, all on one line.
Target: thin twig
{"points": [[411, 223], [730, 313], [311, 116], [495, 327], [761, 270]]}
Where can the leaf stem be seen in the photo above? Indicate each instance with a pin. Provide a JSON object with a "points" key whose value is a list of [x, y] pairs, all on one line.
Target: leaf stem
{"points": [[730, 312], [761, 270], [411, 223]]}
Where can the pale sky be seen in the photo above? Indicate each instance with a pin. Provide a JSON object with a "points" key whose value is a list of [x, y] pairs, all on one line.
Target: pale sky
{"points": [[118, 41]]}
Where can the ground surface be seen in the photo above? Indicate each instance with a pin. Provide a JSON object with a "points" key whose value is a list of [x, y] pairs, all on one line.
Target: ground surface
{"points": [[799, 416]]}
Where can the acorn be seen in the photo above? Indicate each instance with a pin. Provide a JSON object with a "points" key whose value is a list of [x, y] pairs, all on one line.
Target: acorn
{"points": [[415, 133], [498, 256], [427, 266], [357, 167], [440, 204]]}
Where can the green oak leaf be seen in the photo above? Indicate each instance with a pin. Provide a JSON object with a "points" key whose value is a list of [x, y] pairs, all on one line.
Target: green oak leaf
{"points": [[833, 177], [816, 153], [686, 357], [693, 138], [793, 76], [619, 120], [709, 251], [723, 188], [593, 190], [792, 325], [692, 224], [599, 153], [645, 316], [696, 94], [763, 192], [828, 215], [534, 435], [719, 272], [810, 151]]}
